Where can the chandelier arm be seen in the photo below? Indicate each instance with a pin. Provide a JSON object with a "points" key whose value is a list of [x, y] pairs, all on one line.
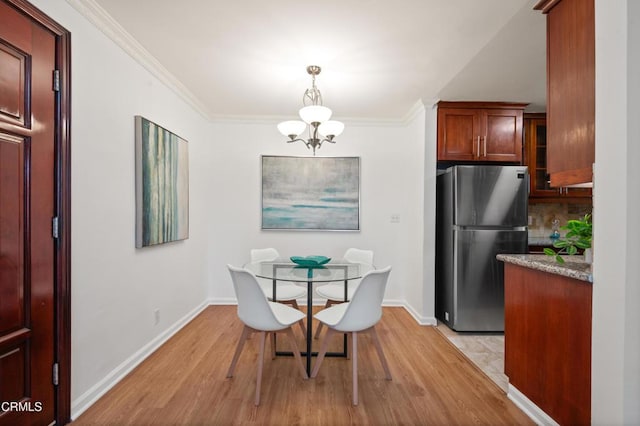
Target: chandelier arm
{"points": [[328, 139], [296, 140]]}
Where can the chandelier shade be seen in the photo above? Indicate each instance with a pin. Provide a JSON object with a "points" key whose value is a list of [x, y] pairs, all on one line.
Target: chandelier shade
{"points": [[331, 128], [292, 128], [316, 116]]}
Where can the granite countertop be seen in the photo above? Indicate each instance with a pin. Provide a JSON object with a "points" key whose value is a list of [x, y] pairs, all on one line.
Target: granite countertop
{"points": [[573, 267]]}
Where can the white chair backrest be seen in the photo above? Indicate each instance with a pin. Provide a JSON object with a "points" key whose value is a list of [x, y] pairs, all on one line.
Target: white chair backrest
{"points": [[365, 308], [262, 255], [359, 256], [253, 308]]}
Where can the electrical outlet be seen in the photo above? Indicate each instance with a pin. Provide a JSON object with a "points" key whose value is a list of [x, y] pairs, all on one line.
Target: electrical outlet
{"points": [[395, 218], [446, 316], [156, 317]]}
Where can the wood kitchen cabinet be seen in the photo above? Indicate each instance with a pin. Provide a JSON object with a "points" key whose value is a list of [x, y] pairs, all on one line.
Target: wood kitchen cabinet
{"points": [[570, 90], [540, 190], [480, 131], [548, 341]]}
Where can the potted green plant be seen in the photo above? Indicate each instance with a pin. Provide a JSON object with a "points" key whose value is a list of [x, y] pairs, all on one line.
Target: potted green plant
{"points": [[578, 236]]}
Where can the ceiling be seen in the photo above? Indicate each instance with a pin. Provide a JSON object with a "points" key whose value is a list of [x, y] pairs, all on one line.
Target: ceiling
{"points": [[247, 58]]}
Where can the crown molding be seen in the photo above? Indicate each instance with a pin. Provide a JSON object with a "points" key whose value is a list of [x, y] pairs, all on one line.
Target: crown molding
{"points": [[416, 109], [274, 119], [99, 17]]}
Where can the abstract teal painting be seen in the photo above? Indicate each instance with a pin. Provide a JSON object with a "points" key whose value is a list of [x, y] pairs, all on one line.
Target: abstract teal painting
{"points": [[162, 185], [310, 193]]}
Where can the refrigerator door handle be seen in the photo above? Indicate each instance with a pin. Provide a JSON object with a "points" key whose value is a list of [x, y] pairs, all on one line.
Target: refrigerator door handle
{"points": [[488, 228]]}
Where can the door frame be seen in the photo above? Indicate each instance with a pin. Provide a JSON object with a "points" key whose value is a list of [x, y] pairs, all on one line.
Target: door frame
{"points": [[62, 206]]}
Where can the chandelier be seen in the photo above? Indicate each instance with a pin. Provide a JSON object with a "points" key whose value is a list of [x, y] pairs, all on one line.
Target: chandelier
{"points": [[317, 116]]}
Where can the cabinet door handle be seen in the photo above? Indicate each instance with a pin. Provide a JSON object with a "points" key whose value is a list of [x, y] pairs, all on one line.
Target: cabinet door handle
{"points": [[485, 145], [478, 147]]}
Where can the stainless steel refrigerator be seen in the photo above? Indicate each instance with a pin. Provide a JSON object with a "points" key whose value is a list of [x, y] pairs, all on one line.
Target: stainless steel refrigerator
{"points": [[481, 212]]}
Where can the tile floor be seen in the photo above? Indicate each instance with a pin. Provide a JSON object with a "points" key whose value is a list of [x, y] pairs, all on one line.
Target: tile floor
{"points": [[484, 350]]}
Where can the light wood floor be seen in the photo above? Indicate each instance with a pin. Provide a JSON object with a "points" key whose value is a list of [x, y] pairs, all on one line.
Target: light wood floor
{"points": [[184, 383]]}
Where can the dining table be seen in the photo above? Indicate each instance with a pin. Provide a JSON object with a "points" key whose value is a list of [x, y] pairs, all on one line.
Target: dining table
{"points": [[284, 269]]}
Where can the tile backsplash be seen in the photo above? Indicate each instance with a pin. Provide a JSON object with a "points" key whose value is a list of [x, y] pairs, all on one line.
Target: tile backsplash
{"points": [[541, 215]]}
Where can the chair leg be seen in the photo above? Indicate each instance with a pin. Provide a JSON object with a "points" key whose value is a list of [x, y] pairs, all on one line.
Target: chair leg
{"points": [[323, 351], [319, 329], [260, 363], [354, 360], [294, 303], [273, 345], [378, 346], [246, 331], [296, 352]]}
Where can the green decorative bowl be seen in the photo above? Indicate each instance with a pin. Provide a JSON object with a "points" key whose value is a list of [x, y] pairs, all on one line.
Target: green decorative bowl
{"points": [[310, 261]]}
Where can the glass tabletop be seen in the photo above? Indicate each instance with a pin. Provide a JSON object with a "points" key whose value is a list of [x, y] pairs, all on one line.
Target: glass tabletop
{"points": [[283, 269]]}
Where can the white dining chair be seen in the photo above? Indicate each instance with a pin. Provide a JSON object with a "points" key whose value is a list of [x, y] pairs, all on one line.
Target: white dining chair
{"points": [[286, 292], [359, 315], [334, 292], [264, 317]]}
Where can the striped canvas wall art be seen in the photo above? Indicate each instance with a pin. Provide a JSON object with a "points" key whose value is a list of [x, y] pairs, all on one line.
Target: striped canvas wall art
{"points": [[162, 185]]}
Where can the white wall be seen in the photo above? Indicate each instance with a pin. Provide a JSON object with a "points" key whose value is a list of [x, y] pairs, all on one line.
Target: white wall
{"points": [[115, 287], [616, 270], [391, 167]]}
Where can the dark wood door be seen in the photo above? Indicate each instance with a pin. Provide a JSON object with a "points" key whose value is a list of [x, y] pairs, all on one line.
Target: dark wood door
{"points": [[570, 90], [540, 185], [27, 147], [503, 135], [458, 134]]}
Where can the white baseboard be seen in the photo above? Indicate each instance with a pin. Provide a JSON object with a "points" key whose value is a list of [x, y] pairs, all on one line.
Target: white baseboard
{"points": [[422, 320], [529, 408], [222, 301], [84, 401]]}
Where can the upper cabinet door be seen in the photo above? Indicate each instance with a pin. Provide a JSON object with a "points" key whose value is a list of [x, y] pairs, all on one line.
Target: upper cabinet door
{"points": [[570, 90], [458, 134], [535, 137], [503, 135]]}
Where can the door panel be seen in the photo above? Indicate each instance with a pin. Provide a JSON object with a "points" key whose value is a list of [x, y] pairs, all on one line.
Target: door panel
{"points": [[458, 131], [11, 233], [503, 137], [27, 188], [13, 69]]}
